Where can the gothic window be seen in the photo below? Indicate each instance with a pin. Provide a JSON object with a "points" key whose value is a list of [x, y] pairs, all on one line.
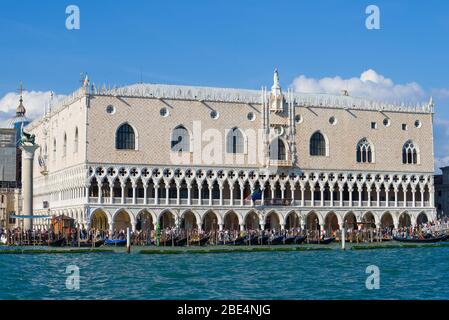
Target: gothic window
{"points": [[235, 141], [125, 138], [180, 140], [317, 144], [277, 150], [54, 148], [364, 152], [75, 142], [409, 153]]}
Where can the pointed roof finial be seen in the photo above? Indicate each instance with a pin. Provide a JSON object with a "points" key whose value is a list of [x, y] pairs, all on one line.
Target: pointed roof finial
{"points": [[20, 110], [276, 84], [86, 81]]}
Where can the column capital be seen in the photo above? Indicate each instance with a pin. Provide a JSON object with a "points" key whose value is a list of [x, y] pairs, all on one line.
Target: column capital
{"points": [[28, 151]]}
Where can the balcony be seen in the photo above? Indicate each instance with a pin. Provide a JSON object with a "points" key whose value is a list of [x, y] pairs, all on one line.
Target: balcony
{"points": [[280, 163]]}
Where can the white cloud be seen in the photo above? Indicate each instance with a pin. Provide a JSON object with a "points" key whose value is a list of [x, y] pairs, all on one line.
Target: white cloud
{"points": [[370, 84], [441, 162], [34, 102]]}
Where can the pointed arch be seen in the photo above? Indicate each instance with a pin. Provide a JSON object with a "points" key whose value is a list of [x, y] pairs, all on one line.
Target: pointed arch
{"points": [[180, 139], [76, 141], [318, 144], [235, 141], [278, 149], [126, 137], [410, 153], [365, 151]]}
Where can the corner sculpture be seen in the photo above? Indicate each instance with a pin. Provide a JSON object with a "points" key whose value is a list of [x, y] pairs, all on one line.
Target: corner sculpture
{"points": [[27, 139]]}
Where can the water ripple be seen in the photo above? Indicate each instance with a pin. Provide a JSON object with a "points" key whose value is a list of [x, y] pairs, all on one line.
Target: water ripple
{"points": [[405, 274]]}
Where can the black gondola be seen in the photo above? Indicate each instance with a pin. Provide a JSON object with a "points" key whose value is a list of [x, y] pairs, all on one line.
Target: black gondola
{"points": [[251, 240], [277, 240], [57, 243], [181, 242], [324, 241], [88, 244], [262, 240], [202, 242], [290, 240], [300, 239], [427, 240], [237, 242]]}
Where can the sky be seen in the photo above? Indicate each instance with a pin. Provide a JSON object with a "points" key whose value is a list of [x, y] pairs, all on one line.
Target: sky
{"points": [[318, 46]]}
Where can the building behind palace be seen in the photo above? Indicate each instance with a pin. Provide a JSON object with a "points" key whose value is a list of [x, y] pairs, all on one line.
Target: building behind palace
{"points": [[442, 193], [215, 158]]}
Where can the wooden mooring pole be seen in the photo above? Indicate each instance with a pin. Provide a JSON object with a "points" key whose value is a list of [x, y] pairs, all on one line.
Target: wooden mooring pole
{"points": [[128, 240]]}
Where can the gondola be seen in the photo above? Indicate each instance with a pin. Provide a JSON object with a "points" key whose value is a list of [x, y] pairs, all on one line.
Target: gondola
{"points": [[300, 239], [262, 240], [181, 242], [277, 240], [203, 241], [426, 240], [237, 242], [115, 242], [324, 241], [251, 240], [57, 243], [290, 240], [88, 244]]}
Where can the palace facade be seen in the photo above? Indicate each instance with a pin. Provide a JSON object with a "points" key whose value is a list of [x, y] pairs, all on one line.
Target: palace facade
{"points": [[213, 158]]}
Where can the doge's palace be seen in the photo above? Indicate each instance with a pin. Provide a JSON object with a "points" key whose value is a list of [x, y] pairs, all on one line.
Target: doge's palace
{"points": [[215, 158]]}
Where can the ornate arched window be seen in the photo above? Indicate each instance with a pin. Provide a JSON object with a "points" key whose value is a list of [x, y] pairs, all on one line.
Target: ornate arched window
{"points": [[235, 141], [180, 140], [277, 150], [75, 142], [410, 153], [318, 145], [365, 152], [64, 146], [125, 138]]}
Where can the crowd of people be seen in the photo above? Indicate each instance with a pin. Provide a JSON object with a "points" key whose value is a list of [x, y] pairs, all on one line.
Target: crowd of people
{"points": [[360, 233]]}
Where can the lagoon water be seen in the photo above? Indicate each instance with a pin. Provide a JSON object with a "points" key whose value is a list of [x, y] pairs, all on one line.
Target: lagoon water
{"points": [[418, 273]]}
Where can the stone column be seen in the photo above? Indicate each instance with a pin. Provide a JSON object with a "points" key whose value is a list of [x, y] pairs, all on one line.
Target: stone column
{"points": [[27, 183], [322, 196], [156, 195], [331, 190], [221, 195], [111, 190], [145, 194], [303, 192], [231, 194], [189, 195]]}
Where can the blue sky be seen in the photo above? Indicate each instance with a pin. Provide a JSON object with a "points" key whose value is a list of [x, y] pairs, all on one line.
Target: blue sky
{"points": [[226, 43]]}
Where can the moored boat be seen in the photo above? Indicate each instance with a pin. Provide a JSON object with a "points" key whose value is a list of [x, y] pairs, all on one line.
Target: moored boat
{"points": [[300, 239], [115, 242], [323, 241], [424, 240], [262, 240], [277, 240], [202, 242], [290, 240], [57, 243]]}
